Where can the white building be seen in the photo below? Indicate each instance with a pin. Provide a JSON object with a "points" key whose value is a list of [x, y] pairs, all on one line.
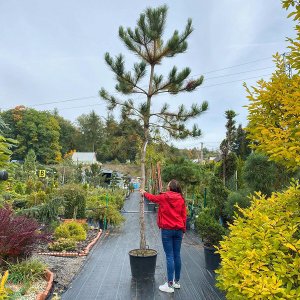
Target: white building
{"points": [[85, 158]]}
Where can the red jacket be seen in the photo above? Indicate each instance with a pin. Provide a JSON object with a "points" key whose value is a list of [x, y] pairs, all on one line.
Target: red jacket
{"points": [[171, 211]]}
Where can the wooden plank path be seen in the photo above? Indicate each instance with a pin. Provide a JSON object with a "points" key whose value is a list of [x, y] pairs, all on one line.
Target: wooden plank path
{"points": [[106, 274]]}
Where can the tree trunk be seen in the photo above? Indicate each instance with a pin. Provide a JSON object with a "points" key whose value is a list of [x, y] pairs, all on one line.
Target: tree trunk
{"points": [[143, 162], [142, 208], [224, 169]]}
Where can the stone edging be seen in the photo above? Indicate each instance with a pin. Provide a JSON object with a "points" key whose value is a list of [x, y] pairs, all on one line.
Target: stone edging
{"points": [[84, 252], [49, 277]]}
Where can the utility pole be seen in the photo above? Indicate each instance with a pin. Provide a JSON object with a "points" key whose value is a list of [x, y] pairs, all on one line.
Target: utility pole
{"points": [[201, 153]]}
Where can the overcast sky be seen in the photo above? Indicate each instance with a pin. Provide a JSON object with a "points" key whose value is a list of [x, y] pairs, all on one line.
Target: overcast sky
{"points": [[53, 51]]}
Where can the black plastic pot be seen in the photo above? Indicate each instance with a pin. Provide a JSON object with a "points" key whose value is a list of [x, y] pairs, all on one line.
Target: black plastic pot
{"points": [[188, 223], [142, 263], [151, 206], [212, 259]]}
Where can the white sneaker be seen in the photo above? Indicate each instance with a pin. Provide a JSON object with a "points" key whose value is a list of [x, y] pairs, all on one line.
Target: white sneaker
{"points": [[176, 285], [166, 288]]}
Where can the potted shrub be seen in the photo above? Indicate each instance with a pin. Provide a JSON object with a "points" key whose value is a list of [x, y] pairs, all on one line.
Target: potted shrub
{"points": [[211, 232], [146, 42], [104, 208]]}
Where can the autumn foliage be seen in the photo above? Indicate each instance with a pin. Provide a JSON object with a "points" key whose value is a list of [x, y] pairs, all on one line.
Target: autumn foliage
{"points": [[261, 255], [274, 117]]}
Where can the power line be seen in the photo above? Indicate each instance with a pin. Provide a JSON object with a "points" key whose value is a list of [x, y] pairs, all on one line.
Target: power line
{"points": [[82, 98], [229, 67], [234, 81], [234, 66], [199, 87], [239, 73], [61, 101], [74, 107]]}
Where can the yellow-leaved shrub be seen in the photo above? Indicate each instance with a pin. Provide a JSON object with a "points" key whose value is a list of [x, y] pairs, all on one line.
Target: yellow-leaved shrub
{"points": [[261, 255], [71, 230], [4, 292]]}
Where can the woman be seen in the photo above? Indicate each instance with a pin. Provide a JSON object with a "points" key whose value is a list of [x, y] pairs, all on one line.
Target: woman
{"points": [[171, 219]]}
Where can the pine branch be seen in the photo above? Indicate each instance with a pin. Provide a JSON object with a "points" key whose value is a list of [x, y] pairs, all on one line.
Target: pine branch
{"points": [[182, 114], [130, 44], [127, 84], [177, 44], [113, 102], [179, 131]]}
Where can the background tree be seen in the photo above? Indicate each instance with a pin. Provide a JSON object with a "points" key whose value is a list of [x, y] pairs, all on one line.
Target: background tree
{"points": [[146, 42], [91, 128], [259, 173], [229, 165], [185, 171], [227, 144], [68, 135], [217, 196], [241, 144], [265, 176], [37, 130]]}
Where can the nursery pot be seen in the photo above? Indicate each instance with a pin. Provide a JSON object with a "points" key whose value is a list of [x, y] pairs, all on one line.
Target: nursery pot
{"points": [[142, 263], [151, 206], [212, 259], [188, 223]]}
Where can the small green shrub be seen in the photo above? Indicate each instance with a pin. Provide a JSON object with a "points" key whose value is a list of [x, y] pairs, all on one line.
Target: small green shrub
{"points": [[74, 200], [72, 230], [240, 198], [209, 228], [61, 231], [36, 198], [19, 188], [26, 271], [98, 208], [62, 244], [53, 225]]}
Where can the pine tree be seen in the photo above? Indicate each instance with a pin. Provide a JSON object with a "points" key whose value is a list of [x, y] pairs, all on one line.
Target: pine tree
{"points": [[146, 42]]}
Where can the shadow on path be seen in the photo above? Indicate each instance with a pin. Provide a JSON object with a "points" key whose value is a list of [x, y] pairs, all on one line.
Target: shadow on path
{"points": [[106, 274]]}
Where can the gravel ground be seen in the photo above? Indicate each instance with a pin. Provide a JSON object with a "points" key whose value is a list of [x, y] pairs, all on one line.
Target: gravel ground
{"points": [[64, 268]]}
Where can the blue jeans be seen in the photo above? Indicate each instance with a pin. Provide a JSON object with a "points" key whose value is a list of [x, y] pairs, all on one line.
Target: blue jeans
{"points": [[171, 240]]}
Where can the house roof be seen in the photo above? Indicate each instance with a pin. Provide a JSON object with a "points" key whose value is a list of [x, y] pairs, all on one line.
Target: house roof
{"points": [[87, 157]]}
